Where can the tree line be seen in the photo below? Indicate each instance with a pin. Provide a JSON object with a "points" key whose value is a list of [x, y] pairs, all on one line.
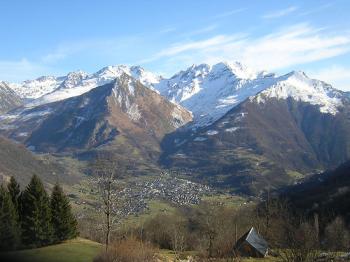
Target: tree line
{"points": [[33, 218]]}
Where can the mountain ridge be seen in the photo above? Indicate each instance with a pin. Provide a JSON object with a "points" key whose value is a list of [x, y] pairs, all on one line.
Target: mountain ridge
{"points": [[223, 124]]}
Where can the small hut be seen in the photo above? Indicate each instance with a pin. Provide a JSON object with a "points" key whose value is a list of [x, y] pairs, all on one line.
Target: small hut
{"points": [[251, 244]]}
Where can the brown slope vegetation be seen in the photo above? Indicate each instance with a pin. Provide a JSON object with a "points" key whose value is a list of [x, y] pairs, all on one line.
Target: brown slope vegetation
{"points": [[17, 161], [255, 146]]}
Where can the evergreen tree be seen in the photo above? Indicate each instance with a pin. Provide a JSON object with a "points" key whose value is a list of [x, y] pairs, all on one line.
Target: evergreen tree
{"points": [[63, 221], [9, 227], [14, 191], [36, 214]]}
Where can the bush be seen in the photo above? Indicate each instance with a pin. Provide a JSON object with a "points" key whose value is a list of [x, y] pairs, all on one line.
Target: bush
{"points": [[128, 250], [337, 236], [302, 244]]}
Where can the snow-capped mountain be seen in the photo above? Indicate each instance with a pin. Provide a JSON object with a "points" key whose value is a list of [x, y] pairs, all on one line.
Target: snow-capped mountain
{"points": [[250, 129], [211, 91], [49, 89], [32, 89], [293, 127], [123, 110], [298, 86], [208, 91]]}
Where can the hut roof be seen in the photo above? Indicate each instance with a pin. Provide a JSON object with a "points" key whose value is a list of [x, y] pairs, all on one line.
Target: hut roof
{"points": [[255, 240]]}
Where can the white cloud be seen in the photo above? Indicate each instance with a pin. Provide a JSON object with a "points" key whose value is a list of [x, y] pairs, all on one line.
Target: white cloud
{"points": [[291, 46], [337, 76], [280, 13]]}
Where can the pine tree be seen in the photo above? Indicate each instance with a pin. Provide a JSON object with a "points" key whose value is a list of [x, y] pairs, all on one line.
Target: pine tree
{"points": [[14, 191], [63, 221], [36, 214], [9, 227]]}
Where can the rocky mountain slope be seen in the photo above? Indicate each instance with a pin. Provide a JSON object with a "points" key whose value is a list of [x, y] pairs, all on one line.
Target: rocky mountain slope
{"points": [[123, 116], [8, 98], [294, 127]]}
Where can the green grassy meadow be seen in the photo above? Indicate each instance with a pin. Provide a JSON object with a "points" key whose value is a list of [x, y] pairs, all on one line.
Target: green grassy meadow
{"points": [[76, 250]]}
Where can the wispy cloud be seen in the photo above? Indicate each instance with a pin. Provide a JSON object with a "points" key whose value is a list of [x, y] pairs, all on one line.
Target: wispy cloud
{"points": [[99, 47], [16, 71], [280, 13], [336, 75], [183, 47], [290, 46], [113, 50], [316, 9], [230, 13], [200, 31], [167, 30]]}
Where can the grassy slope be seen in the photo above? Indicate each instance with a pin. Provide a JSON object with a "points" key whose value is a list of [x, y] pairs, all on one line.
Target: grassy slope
{"points": [[77, 250]]}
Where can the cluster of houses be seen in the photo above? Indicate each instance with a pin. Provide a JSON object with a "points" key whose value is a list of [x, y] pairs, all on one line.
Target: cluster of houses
{"points": [[134, 197], [170, 188]]}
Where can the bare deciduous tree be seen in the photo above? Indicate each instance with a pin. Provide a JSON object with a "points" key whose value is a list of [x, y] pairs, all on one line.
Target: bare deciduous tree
{"points": [[337, 236], [105, 177]]}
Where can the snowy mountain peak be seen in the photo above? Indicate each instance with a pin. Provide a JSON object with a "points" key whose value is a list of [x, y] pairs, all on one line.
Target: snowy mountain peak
{"points": [[209, 91], [73, 79], [235, 68], [192, 72], [300, 75], [110, 72], [42, 79], [298, 86], [32, 89], [47, 89]]}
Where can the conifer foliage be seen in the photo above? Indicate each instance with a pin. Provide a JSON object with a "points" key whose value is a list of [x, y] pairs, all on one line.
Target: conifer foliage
{"points": [[36, 215], [14, 191], [9, 226], [31, 218], [63, 222]]}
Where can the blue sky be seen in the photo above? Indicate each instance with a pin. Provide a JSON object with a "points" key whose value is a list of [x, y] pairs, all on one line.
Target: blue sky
{"points": [[55, 37]]}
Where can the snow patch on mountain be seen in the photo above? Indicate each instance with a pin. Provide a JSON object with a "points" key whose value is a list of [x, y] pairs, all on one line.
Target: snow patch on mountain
{"points": [[200, 139], [231, 129], [133, 112], [212, 132]]}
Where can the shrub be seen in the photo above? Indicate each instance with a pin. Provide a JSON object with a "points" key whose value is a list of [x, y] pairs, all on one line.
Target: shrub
{"points": [[128, 250]]}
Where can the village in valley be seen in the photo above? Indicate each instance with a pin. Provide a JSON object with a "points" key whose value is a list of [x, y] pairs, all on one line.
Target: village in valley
{"points": [[132, 197]]}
